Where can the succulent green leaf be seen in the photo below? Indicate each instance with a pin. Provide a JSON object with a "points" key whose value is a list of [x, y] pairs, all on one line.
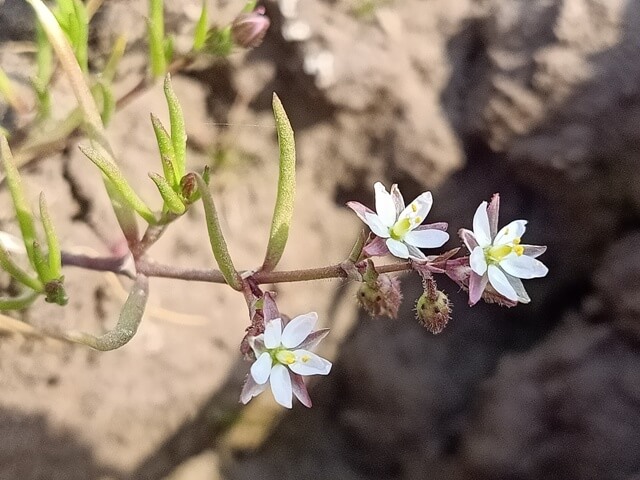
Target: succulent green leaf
{"points": [[168, 49], [20, 302], [155, 27], [172, 201], [8, 92], [113, 173], [65, 54], [108, 102], [200, 32], [128, 323], [8, 265], [23, 212], [41, 264], [216, 237], [53, 245], [109, 71], [165, 146], [283, 211], [250, 6], [178, 132]]}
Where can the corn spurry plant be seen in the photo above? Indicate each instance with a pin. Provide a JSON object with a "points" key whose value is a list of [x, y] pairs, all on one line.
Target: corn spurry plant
{"points": [[280, 348]]}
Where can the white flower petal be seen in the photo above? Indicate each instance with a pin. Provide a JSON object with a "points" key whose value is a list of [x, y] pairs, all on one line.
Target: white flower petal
{"points": [[419, 208], [308, 363], [426, 238], [281, 385], [397, 248], [414, 252], [251, 389], [385, 206], [481, 229], [517, 285], [499, 281], [533, 250], [376, 225], [12, 244], [298, 329], [477, 261], [261, 368], [523, 266], [398, 201], [511, 231], [273, 333]]}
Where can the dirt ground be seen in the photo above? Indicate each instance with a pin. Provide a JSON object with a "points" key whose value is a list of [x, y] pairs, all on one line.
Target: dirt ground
{"points": [[539, 100]]}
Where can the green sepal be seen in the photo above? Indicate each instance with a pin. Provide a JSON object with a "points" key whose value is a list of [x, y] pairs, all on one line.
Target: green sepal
{"points": [[219, 41], [54, 256], [172, 201], [283, 211], [178, 132], [114, 175], [200, 32], [216, 238], [128, 322]]}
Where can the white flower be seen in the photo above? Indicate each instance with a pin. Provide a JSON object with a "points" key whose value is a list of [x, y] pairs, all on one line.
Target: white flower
{"points": [[12, 244], [282, 357], [400, 226], [498, 257]]}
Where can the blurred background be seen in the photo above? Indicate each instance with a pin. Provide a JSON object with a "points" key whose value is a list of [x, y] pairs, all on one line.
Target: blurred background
{"points": [[536, 99]]}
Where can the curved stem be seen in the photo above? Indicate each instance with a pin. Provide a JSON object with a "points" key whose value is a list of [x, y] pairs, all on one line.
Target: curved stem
{"points": [[152, 269]]}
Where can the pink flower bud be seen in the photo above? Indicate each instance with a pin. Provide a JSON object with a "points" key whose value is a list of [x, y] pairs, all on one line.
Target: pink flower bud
{"points": [[248, 29]]}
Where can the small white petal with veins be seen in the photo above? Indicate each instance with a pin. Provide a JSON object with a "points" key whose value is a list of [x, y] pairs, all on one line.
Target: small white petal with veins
{"points": [[500, 282], [298, 329], [281, 385], [273, 333]]}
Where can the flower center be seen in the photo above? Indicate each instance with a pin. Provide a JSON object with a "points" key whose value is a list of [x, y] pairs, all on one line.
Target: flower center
{"points": [[285, 357], [403, 226], [495, 254]]}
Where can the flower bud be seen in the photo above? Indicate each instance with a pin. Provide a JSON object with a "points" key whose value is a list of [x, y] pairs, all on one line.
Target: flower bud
{"points": [[189, 187], [433, 309], [379, 294], [55, 293], [248, 29]]}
